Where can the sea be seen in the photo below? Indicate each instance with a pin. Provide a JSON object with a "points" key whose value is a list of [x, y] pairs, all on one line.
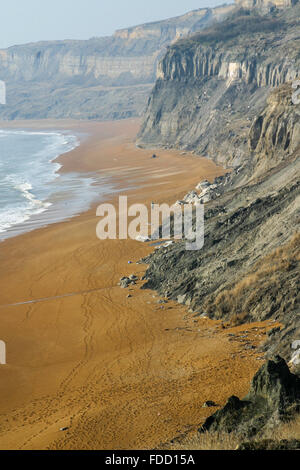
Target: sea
{"points": [[33, 192]]}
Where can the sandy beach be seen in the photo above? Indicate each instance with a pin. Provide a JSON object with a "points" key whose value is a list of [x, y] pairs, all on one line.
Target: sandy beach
{"points": [[117, 372]]}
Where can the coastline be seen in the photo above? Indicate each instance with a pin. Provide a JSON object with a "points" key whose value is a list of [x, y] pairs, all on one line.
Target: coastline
{"points": [[118, 372], [69, 193]]}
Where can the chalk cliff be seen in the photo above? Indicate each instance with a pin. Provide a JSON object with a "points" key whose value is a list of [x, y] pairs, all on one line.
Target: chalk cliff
{"points": [[102, 78], [110, 77], [211, 85]]}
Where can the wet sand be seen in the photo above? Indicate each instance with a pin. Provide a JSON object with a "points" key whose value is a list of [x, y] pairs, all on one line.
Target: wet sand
{"points": [[118, 372]]}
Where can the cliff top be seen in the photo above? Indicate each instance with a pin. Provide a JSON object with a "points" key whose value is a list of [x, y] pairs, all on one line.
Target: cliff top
{"points": [[188, 20], [241, 27], [265, 4], [136, 40]]}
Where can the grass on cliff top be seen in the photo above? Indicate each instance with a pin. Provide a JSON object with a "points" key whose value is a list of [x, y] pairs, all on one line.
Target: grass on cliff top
{"points": [[243, 24], [267, 278], [223, 441]]}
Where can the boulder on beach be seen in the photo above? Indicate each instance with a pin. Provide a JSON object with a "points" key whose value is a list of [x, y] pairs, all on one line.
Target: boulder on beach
{"points": [[208, 193], [168, 243], [295, 359], [143, 239], [180, 203], [203, 185], [209, 404], [125, 282], [191, 198]]}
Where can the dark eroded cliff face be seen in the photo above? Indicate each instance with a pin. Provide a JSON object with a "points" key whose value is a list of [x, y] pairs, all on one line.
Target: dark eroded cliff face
{"points": [[103, 78], [211, 86], [249, 266], [275, 133]]}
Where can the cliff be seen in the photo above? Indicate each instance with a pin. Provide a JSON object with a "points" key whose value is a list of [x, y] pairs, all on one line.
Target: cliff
{"points": [[177, 27], [211, 85], [227, 93], [275, 132], [248, 269], [265, 5], [102, 78]]}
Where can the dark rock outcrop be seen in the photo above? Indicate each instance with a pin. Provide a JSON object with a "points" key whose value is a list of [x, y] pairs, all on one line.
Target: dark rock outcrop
{"points": [[125, 282], [249, 265], [275, 131], [274, 395], [211, 96], [248, 268]]}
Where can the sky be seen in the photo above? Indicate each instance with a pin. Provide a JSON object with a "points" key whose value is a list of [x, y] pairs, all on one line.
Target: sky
{"points": [[23, 21]]}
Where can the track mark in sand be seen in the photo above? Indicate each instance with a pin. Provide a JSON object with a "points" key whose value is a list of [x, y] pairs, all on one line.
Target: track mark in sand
{"points": [[55, 297], [65, 388]]}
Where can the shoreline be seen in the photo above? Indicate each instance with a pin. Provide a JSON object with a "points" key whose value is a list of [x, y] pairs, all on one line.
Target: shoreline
{"points": [[118, 372], [86, 134], [55, 203], [36, 209]]}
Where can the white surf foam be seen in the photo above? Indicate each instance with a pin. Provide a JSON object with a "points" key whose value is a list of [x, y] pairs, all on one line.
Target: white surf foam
{"points": [[25, 173]]}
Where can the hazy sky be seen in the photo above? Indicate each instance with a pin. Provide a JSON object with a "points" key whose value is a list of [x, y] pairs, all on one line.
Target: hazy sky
{"points": [[23, 21]]}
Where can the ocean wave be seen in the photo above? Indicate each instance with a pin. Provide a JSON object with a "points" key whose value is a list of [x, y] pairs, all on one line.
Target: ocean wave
{"points": [[5, 132], [20, 213], [25, 191], [17, 216]]}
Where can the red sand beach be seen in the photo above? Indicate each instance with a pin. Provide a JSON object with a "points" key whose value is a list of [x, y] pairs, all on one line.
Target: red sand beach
{"points": [[118, 372]]}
